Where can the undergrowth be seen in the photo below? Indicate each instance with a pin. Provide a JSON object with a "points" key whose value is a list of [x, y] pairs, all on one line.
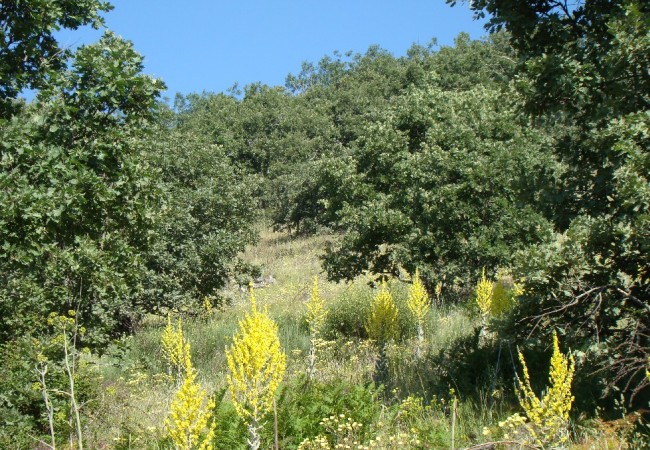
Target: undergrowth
{"points": [[426, 399]]}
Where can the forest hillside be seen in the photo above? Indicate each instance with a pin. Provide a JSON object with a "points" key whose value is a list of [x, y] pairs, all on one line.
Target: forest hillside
{"points": [[445, 249]]}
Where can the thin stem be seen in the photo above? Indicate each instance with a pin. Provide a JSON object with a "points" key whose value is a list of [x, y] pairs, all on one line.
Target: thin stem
{"points": [[453, 424], [73, 400], [48, 403]]}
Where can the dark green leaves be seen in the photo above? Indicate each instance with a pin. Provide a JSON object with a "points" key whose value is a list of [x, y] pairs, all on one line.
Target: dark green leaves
{"points": [[29, 53]]}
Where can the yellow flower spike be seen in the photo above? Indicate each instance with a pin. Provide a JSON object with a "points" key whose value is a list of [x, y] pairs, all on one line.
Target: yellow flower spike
{"points": [[175, 348], [484, 295], [316, 311], [256, 366], [418, 302], [208, 305], [382, 325], [190, 424], [504, 294], [548, 416]]}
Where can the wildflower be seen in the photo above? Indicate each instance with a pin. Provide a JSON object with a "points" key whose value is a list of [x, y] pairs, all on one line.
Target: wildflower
{"points": [[175, 348], [316, 315], [418, 303], [257, 365], [382, 325], [208, 306], [484, 296], [548, 416], [316, 311], [504, 294], [191, 414]]}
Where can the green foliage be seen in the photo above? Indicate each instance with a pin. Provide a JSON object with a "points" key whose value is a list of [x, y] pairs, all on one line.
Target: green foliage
{"points": [[348, 313], [303, 403], [21, 406], [472, 210], [29, 52], [206, 219], [77, 212], [104, 209], [583, 73], [56, 366], [231, 431]]}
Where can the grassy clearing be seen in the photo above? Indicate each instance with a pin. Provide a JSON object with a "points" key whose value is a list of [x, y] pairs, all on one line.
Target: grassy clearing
{"points": [[414, 408]]}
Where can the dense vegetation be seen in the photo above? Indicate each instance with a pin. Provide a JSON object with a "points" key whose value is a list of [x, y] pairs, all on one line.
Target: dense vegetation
{"points": [[523, 157]]}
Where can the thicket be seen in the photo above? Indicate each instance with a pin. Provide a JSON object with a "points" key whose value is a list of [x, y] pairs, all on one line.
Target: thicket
{"points": [[105, 210]]}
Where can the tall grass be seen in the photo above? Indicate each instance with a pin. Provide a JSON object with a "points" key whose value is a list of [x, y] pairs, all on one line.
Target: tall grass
{"points": [[414, 406]]}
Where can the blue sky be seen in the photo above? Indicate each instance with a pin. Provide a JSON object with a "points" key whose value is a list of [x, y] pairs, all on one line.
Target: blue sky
{"points": [[208, 45]]}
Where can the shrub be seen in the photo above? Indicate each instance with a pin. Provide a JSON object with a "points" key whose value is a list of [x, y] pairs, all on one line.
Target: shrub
{"points": [[348, 313]]}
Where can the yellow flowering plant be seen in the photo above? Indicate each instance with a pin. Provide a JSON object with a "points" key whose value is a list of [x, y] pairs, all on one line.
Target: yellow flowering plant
{"points": [[208, 306], [484, 289], [547, 418], [256, 366], [504, 293], [190, 424], [494, 299], [175, 348], [418, 303], [382, 326], [316, 311], [316, 315]]}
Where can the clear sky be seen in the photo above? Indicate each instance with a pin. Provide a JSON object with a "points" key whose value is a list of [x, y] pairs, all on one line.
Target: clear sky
{"points": [[208, 45]]}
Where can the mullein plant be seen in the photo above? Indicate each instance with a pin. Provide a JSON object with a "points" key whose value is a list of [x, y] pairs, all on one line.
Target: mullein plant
{"points": [[547, 418], [495, 299], [382, 327], [256, 366], [190, 424], [484, 289], [208, 307], [316, 315], [175, 348], [419, 304], [504, 294]]}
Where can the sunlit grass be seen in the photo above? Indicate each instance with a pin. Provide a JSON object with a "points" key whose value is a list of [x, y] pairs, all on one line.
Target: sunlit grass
{"points": [[136, 393]]}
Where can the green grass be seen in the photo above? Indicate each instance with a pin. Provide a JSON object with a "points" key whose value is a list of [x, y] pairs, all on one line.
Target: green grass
{"points": [[415, 406]]}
